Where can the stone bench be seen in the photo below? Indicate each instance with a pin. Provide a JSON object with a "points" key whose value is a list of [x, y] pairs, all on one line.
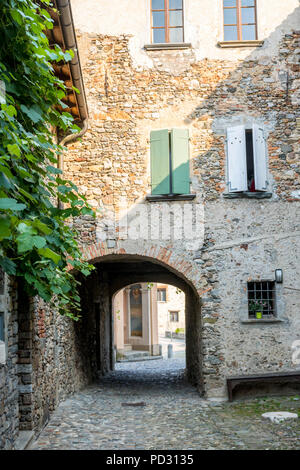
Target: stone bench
{"points": [[278, 378]]}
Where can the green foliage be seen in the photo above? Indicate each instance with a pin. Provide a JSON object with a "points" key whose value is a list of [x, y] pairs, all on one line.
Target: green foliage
{"points": [[179, 330], [37, 244]]}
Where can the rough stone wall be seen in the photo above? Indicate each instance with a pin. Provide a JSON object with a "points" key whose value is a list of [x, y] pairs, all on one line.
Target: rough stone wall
{"points": [[59, 361], [112, 161], [9, 409]]}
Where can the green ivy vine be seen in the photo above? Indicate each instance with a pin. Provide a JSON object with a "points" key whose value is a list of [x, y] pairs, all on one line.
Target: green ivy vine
{"points": [[36, 241]]}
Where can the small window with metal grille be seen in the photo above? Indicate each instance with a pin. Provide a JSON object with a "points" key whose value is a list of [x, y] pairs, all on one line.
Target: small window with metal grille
{"points": [[261, 299]]}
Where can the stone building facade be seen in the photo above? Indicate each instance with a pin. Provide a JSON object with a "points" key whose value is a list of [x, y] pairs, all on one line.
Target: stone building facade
{"points": [[170, 310], [144, 312], [136, 320], [231, 107], [219, 92]]}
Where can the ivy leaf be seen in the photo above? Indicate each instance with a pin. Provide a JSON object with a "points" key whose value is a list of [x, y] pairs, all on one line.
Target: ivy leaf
{"points": [[47, 253], [42, 227], [14, 150], [16, 16], [25, 242], [39, 242], [26, 228], [9, 110], [4, 181], [8, 265], [33, 113], [54, 170], [11, 204], [5, 230]]}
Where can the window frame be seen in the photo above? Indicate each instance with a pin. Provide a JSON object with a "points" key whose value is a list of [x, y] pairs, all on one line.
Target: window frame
{"points": [[240, 188], [239, 23], [271, 298], [161, 290], [167, 26], [172, 168], [172, 312]]}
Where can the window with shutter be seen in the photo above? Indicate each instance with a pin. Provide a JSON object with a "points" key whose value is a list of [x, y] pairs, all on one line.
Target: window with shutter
{"points": [[170, 172], [160, 162], [260, 159], [180, 161], [236, 159], [246, 159]]}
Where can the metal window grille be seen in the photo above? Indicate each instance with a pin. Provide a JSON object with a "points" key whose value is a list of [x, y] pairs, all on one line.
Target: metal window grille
{"points": [[261, 298]]}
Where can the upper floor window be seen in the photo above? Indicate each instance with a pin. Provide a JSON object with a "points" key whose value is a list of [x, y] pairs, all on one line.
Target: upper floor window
{"points": [[174, 316], [247, 168], [170, 167], [240, 22], [162, 295], [167, 21]]}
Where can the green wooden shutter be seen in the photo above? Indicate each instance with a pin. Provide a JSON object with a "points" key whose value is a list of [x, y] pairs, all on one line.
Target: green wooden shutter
{"points": [[180, 161], [160, 162]]}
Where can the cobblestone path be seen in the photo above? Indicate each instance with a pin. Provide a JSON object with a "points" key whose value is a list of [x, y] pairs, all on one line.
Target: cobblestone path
{"points": [[173, 415]]}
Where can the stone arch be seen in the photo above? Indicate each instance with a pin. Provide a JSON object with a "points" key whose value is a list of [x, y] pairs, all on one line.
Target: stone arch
{"points": [[179, 264], [116, 269]]}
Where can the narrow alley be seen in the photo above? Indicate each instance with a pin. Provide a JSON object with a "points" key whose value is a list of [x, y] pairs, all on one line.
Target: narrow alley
{"points": [[168, 414]]}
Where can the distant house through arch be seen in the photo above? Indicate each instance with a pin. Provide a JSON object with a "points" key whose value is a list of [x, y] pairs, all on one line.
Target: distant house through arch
{"points": [[114, 272]]}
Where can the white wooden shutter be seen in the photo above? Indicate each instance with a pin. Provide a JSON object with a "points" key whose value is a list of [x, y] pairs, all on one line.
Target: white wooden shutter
{"points": [[260, 159], [236, 159]]}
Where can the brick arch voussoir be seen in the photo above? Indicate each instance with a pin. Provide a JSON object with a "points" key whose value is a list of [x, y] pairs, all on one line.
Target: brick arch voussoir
{"points": [[165, 255]]}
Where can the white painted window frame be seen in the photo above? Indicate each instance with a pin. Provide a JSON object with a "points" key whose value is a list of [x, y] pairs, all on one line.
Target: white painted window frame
{"points": [[243, 187]]}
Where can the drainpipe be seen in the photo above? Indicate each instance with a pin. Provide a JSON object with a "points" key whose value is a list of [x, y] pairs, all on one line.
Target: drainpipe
{"points": [[67, 140], [71, 138], [70, 42]]}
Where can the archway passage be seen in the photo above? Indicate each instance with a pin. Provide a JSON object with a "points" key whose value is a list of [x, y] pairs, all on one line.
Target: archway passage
{"points": [[96, 330]]}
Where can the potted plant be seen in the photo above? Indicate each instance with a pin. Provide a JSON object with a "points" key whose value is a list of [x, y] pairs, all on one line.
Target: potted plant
{"points": [[256, 307]]}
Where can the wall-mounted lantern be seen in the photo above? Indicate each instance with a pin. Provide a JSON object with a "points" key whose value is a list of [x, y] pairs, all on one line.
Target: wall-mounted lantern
{"points": [[278, 276]]}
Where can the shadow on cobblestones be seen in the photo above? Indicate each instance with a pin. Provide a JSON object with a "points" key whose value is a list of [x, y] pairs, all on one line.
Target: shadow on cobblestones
{"points": [[173, 416]]}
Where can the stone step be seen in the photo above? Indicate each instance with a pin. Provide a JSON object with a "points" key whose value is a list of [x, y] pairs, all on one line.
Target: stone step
{"points": [[140, 358], [24, 440]]}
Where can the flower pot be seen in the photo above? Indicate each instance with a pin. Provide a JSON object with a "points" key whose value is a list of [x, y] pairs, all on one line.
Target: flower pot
{"points": [[258, 315]]}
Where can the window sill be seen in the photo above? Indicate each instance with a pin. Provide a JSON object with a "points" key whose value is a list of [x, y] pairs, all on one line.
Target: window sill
{"points": [[227, 44], [169, 46], [170, 197], [262, 320], [248, 195]]}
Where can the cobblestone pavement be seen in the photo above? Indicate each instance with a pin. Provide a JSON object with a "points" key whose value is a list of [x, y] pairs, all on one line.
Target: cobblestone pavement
{"points": [[173, 415]]}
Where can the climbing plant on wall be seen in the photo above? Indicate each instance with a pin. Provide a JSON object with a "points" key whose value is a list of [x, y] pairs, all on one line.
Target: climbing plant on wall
{"points": [[36, 242]]}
